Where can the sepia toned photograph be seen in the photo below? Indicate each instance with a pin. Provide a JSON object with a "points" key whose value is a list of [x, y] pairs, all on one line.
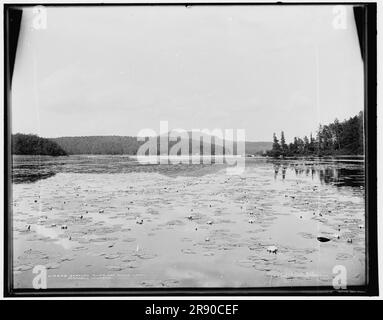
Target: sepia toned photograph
{"points": [[189, 147]]}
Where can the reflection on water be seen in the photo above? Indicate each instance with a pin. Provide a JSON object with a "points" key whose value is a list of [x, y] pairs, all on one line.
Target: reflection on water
{"points": [[172, 225], [336, 171], [26, 169]]}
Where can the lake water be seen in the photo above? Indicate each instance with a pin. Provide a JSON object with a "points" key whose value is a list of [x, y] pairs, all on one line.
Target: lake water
{"points": [[109, 221]]}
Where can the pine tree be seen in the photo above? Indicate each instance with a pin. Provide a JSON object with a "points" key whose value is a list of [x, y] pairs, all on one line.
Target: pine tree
{"points": [[283, 144], [276, 150], [311, 144]]}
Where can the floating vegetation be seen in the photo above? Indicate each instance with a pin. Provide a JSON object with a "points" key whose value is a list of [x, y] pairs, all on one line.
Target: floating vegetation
{"points": [[117, 217], [112, 256]]}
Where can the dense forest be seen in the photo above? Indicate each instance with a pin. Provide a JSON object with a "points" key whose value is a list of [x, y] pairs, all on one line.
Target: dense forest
{"points": [[30, 144], [114, 145], [336, 138], [130, 145], [99, 144]]}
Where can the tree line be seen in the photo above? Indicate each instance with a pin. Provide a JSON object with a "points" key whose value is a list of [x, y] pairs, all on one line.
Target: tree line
{"points": [[30, 144], [113, 145], [336, 138], [98, 145], [118, 145]]}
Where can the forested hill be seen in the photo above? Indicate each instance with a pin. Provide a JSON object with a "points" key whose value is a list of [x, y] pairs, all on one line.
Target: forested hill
{"points": [[258, 147], [129, 145], [26, 144], [99, 144], [29, 144]]}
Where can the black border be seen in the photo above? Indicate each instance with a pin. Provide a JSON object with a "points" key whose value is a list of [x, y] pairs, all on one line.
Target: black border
{"points": [[370, 111]]}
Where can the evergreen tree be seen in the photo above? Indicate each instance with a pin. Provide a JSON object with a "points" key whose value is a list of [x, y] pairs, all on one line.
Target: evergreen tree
{"points": [[276, 149], [306, 145], [319, 141], [311, 144], [283, 144]]}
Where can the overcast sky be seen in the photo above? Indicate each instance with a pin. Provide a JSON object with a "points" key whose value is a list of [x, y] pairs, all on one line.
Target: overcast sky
{"points": [[117, 70]]}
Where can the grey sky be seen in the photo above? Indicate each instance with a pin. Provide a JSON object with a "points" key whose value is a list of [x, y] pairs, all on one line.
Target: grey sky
{"points": [[117, 70]]}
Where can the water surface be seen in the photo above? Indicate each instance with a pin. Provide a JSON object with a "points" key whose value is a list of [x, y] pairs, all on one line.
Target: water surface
{"points": [[200, 227]]}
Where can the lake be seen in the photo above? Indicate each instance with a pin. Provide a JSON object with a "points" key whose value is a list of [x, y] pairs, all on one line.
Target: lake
{"points": [[109, 221]]}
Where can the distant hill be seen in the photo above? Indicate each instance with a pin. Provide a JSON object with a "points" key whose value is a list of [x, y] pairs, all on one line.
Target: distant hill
{"points": [[29, 144], [99, 144], [129, 145], [116, 145], [258, 147]]}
